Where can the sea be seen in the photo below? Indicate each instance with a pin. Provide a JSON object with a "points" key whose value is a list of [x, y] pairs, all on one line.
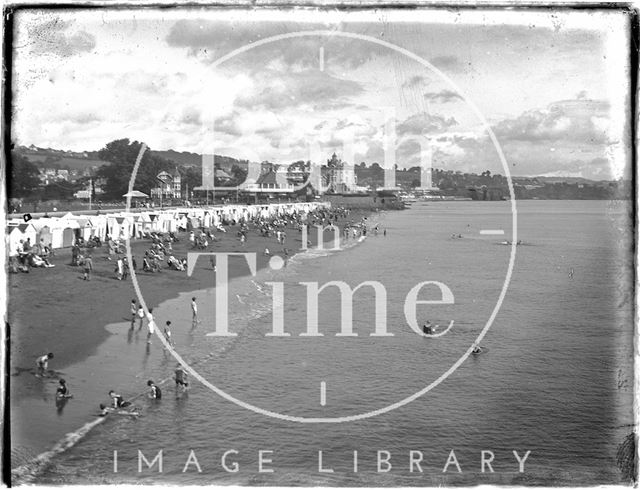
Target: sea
{"points": [[353, 394]]}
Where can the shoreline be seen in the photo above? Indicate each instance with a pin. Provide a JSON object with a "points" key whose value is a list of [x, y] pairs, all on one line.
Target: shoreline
{"points": [[42, 302], [78, 342]]}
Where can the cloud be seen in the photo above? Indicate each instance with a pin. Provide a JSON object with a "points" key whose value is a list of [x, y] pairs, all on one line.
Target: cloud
{"points": [[51, 37], [580, 120], [423, 123], [449, 64], [209, 40], [316, 89], [442, 97], [415, 81]]}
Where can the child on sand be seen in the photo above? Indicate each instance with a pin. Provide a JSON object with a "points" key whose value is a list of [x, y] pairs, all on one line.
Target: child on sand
{"points": [[140, 316], [88, 267], [194, 312], [42, 363], [150, 325], [134, 311], [167, 333]]}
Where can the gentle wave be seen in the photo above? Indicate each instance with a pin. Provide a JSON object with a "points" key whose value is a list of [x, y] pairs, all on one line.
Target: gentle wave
{"points": [[254, 307]]}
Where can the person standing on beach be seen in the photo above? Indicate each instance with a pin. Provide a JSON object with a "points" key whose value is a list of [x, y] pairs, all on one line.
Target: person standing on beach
{"points": [[167, 333], [134, 312], [150, 325], [119, 268], [88, 267], [140, 316], [42, 363], [125, 268], [194, 312]]}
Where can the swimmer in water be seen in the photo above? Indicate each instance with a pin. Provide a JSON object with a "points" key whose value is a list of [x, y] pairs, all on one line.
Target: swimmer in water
{"points": [[427, 328], [63, 391], [104, 410], [154, 391], [181, 378], [117, 400], [476, 350]]}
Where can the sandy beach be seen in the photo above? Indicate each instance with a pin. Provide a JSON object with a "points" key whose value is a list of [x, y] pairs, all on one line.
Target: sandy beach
{"points": [[55, 310]]}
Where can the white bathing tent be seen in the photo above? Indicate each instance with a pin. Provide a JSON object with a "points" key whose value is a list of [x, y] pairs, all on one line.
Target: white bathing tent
{"points": [[85, 229], [120, 226], [99, 224], [17, 232], [142, 224]]}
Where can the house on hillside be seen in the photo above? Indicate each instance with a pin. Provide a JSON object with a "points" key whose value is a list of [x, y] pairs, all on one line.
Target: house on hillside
{"points": [[170, 185]]}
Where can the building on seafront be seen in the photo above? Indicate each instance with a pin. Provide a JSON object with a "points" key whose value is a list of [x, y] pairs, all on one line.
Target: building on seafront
{"points": [[272, 181], [340, 177], [170, 185]]}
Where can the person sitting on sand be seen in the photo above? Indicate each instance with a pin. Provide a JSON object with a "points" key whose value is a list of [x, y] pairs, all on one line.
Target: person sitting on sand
{"points": [[266, 251], [117, 400], [37, 261], [42, 363], [174, 263]]}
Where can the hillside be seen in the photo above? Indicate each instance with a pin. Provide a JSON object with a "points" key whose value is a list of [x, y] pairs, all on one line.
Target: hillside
{"points": [[187, 159]]}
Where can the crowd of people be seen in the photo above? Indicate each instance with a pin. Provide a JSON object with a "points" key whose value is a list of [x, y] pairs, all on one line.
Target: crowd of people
{"points": [[118, 404], [160, 250], [31, 255]]}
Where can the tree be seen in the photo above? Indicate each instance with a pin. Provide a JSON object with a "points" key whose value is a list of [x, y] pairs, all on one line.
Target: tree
{"points": [[24, 178], [191, 177], [239, 175], [122, 154]]}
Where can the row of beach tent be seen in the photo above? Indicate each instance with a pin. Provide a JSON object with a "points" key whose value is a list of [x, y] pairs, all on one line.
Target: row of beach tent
{"points": [[60, 232]]}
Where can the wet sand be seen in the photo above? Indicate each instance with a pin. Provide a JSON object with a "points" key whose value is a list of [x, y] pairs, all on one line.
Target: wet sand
{"points": [[55, 310]]}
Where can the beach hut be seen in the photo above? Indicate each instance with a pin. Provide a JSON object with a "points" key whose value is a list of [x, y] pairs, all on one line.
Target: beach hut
{"points": [[142, 224], [22, 231], [120, 226], [85, 228], [99, 223]]}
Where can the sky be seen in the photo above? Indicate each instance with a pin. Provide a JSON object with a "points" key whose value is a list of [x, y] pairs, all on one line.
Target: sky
{"points": [[451, 89]]}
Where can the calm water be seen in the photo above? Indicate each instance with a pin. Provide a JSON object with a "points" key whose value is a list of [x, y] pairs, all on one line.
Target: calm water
{"points": [[555, 379]]}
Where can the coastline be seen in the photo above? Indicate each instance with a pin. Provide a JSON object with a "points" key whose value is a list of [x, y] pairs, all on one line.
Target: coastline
{"points": [[77, 343], [42, 302]]}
